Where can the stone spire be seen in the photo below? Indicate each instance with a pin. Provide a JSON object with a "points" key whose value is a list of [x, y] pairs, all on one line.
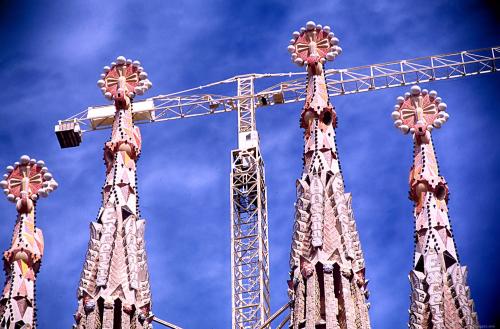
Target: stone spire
{"points": [[23, 184], [327, 286], [440, 296], [114, 289]]}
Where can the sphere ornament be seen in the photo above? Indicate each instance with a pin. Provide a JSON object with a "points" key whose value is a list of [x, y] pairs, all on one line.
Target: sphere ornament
{"points": [[27, 178], [314, 43], [419, 111], [124, 75]]}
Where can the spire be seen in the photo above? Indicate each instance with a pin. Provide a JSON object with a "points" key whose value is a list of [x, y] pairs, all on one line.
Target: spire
{"points": [[327, 286], [440, 296], [114, 289], [23, 184]]}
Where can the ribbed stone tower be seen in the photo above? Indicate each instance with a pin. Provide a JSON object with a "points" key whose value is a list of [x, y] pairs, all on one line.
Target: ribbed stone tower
{"points": [[23, 184], [440, 296], [114, 289], [327, 286]]}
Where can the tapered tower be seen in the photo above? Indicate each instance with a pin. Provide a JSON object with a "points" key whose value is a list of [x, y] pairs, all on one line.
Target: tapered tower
{"points": [[327, 286], [440, 296], [114, 289], [23, 184]]}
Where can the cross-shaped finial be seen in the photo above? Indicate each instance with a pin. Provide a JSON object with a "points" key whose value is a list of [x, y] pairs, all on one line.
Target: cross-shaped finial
{"points": [[27, 180], [419, 111], [314, 43], [124, 76]]}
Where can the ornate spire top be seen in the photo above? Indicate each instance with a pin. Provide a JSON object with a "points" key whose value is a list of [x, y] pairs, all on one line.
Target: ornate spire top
{"points": [[23, 184], [314, 43], [27, 180], [419, 111], [123, 78]]}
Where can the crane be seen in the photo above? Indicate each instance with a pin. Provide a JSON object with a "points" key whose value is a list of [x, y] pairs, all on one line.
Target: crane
{"points": [[249, 228]]}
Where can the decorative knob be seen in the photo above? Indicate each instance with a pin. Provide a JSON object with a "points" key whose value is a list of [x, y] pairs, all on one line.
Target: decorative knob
{"points": [[124, 76]]}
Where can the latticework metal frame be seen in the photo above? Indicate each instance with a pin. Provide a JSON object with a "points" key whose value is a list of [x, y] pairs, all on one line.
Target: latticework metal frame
{"points": [[249, 240], [185, 104]]}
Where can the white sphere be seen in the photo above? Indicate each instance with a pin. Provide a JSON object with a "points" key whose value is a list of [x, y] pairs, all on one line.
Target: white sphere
{"points": [[442, 106], [438, 100], [330, 56], [334, 41], [9, 169], [113, 64], [108, 95], [6, 191], [326, 28], [322, 60], [412, 130], [103, 90], [407, 95], [47, 176], [40, 163], [296, 34], [129, 61], [11, 197], [294, 56], [16, 163], [395, 115], [49, 189], [398, 123], [34, 197], [4, 184], [310, 25], [319, 26], [103, 75], [106, 69], [5, 176], [140, 69], [400, 100], [302, 29], [446, 115], [136, 63], [437, 123], [32, 161], [291, 49], [424, 92], [338, 49], [433, 94], [24, 159], [331, 35], [298, 61], [101, 83], [143, 75], [54, 184], [415, 90], [120, 60], [404, 129], [430, 127]]}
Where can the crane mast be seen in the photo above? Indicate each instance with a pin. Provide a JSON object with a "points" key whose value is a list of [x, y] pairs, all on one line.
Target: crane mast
{"points": [[249, 222], [249, 226]]}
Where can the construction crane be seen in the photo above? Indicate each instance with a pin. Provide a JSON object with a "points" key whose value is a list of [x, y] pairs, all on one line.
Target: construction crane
{"points": [[249, 225]]}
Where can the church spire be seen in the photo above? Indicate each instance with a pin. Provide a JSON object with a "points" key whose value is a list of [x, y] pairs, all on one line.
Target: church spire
{"points": [[440, 296], [327, 286], [114, 289], [24, 183]]}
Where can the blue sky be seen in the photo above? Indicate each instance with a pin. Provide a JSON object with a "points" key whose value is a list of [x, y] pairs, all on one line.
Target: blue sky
{"points": [[51, 57]]}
